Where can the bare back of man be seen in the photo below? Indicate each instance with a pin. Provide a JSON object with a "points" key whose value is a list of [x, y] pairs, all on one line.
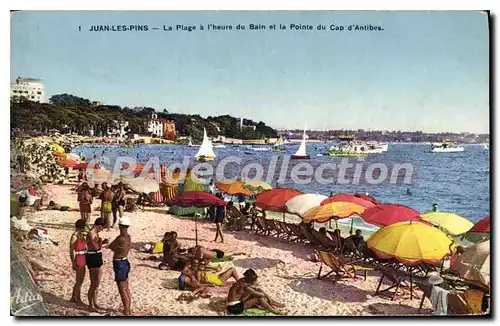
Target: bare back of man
{"points": [[242, 296], [121, 266]]}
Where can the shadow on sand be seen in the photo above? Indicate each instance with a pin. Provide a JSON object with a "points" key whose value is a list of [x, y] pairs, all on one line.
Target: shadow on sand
{"points": [[257, 263], [52, 299], [327, 290], [296, 249], [59, 226], [387, 309]]}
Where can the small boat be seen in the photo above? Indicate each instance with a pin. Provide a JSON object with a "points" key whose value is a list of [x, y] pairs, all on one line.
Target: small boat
{"points": [[206, 151], [220, 146], [446, 147], [277, 147], [486, 146], [301, 153], [191, 143], [261, 149]]}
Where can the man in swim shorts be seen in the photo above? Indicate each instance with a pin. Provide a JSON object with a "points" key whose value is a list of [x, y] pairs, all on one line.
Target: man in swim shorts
{"points": [[242, 295], [94, 261], [121, 265], [106, 207]]}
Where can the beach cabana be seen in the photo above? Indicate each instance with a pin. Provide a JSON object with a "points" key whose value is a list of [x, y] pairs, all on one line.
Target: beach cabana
{"points": [[451, 222], [188, 185]]}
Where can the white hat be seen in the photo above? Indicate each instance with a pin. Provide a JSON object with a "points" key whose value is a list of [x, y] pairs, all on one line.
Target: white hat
{"points": [[124, 220], [435, 279]]}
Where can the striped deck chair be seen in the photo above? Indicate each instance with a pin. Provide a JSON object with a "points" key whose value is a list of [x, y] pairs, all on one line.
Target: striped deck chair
{"points": [[339, 267]]}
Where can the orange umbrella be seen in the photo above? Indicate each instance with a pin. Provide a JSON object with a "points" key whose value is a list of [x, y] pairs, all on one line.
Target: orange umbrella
{"points": [[233, 187], [275, 199], [335, 210]]}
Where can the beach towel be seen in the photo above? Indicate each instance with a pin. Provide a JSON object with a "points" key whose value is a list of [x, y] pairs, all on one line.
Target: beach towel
{"points": [[221, 260], [158, 248], [439, 300], [256, 312]]}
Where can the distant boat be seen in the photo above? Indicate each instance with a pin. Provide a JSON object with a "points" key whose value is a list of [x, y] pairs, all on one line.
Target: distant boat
{"points": [[446, 147], [191, 143], [277, 147], [262, 149], [486, 146], [301, 153], [220, 146], [206, 151]]}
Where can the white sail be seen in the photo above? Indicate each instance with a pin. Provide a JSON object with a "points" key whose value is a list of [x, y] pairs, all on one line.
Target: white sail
{"points": [[206, 149], [279, 142], [302, 148], [190, 142]]}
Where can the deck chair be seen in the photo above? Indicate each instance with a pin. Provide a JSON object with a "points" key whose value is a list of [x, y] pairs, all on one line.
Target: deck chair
{"points": [[287, 233], [397, 279], [275, 227], [260, 226], [297, 232], [326, 242], [310, 237], [340, 267]]}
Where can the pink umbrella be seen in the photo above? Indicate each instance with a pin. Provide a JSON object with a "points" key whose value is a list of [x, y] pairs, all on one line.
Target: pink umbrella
{"points": [[387, 214]]}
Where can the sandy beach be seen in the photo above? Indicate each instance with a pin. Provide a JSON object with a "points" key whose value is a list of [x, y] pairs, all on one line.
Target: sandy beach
{"points": [[283, 268]]}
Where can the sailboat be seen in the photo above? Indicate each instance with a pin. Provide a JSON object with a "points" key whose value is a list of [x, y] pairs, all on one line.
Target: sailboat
{"points": [[206, 151], [486, 146], [301, 153]]}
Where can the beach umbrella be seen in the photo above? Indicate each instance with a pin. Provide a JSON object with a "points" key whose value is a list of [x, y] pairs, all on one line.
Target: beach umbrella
{"points": [[143, 184], [387, 214], [451, 222], [302, 203], [479, 232], [368, 198], [335, 210], [275, 199], [258, 185], [56, 148], [474, 264], [410, 243], [197, 199], [233, 187], [349, 198]]}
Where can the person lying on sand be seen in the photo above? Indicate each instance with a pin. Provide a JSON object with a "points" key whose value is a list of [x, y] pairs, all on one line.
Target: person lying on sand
{"points": [[187, 280], [242, 295], [56, 207], [204, 254], [217, 279]]}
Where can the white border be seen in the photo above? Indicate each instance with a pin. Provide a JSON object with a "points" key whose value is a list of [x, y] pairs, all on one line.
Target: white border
{"points": [[492, 5]]}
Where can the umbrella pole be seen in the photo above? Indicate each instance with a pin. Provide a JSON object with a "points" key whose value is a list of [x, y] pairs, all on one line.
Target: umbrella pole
{"points": [[283, 217], [196, 228], [330, 224], [411, 284], [352, 224], [336, 224]]}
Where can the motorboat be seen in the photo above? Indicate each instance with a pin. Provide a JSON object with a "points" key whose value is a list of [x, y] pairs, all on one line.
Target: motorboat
{"points": [[220, 146], [351, 147], [446, 147], [206, 151], [301, 153], [277, 147]]}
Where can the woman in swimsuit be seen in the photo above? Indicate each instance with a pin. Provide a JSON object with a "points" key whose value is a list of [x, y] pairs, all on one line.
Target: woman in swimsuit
{"points": [[77, 251], [187, 280]]}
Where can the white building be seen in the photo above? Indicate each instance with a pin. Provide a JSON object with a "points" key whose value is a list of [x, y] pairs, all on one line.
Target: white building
{"points": [[155, 125], [30, 88]]}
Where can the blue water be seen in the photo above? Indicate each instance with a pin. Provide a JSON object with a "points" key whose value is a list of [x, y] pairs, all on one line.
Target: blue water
{"points": [[457, 182]]}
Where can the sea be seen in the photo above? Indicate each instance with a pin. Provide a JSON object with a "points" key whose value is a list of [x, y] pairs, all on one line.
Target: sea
{"points": [[456, 182]]}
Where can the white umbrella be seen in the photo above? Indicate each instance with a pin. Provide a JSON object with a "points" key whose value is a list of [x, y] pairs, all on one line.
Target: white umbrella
{"points": [[474, 263], [142, 184], [302, 203]]}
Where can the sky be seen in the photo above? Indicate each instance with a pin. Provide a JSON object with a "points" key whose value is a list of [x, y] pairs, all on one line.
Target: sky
{"points": [[424, 71]]}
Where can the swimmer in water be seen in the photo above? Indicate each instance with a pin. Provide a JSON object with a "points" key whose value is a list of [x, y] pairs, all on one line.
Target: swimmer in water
{"points": [[408, 192]]}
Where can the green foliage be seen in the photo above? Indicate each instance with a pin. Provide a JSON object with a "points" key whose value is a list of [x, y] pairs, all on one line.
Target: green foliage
{"points": [[68, 113]]}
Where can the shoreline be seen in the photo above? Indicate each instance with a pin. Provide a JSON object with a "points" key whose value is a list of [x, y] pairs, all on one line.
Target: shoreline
{"points": [[283, 269]]}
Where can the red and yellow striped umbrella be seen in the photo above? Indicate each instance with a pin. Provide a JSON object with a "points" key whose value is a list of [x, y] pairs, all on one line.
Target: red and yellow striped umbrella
{"points": [[335, 210]]}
